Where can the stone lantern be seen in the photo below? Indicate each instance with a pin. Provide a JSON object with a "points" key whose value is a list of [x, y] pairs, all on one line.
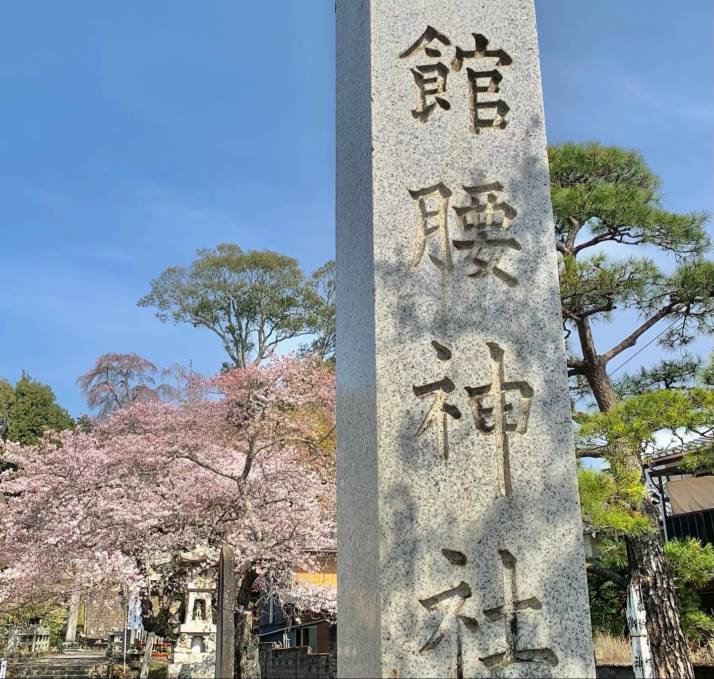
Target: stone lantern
{"points": [[194, 655]]}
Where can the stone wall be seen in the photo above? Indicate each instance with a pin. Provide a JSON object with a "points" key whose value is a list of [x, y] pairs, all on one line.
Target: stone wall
{"points": [[289, 663]]}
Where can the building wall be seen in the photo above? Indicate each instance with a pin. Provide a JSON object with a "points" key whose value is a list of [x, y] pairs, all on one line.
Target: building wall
{"points": [[325, 638], [324, 573]]}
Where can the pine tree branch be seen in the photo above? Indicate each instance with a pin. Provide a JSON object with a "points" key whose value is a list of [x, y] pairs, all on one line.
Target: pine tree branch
{"points": [[575, 363], [592, 451], [607, 574], [569, 245], [614, 235], [576, 366], [632, 338], [593, 241], [603, 308]]}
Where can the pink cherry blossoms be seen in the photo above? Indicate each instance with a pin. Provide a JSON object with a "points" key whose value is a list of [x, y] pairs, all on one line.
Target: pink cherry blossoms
{"points": [[250, 465]]}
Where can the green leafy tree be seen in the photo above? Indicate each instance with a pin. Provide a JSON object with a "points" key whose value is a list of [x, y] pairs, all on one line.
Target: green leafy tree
{"points": [[667, 374], [611, 503], [707, 374], [7, 399], [28, 410], [323, 317], [607, 583], [615, 503], [607, 197], [692, 566], [49, 614], [700, 457], [251, 300]]}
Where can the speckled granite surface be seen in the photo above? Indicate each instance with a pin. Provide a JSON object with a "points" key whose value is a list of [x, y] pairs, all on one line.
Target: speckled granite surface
{"points": [[459, 537]]}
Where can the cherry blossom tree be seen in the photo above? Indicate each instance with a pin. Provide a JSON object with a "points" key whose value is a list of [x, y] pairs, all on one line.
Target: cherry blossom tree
{"points": [[120, 380], [251, 466]]}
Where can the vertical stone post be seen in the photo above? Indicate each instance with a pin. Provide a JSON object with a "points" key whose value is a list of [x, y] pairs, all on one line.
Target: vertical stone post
{"points": [[225, 630], [70, 636], [146, 659], [460, 549]]}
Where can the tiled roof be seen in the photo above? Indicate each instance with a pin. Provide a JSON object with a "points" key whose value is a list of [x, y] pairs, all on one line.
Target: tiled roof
{"points": [[688, 447]]}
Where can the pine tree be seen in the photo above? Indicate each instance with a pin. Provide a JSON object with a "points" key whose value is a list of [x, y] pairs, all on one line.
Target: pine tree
{"points": [[607, 197]]}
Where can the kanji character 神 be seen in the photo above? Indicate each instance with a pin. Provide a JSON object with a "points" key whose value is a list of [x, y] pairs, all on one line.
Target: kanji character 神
{"points": [[496, 413], [440, 409]]}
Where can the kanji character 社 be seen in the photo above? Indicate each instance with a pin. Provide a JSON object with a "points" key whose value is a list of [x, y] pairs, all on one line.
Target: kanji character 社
{"points": [[507, 614], [450, 603]]}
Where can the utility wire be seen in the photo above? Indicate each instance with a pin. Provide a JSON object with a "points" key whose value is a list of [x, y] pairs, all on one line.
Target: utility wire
{"points": [[656, 337]]}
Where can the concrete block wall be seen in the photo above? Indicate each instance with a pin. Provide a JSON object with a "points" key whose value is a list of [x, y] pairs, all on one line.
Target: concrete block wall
{"points": [[290, 663]]}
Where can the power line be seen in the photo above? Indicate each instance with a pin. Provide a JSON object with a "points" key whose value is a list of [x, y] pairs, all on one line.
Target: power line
{"points": [[656, 337]]}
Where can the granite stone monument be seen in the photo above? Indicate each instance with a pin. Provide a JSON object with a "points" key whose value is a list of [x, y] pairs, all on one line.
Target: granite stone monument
{"points": [[225, 623], [459, 536], [194, 654]]}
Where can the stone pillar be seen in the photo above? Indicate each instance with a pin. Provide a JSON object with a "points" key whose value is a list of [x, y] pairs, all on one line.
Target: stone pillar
{"points": [[146, 660], [225, 627], [70, 636], [460, 549]]}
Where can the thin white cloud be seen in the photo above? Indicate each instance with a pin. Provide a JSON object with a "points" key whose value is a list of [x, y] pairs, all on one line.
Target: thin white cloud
{"points": [[666, 102]]}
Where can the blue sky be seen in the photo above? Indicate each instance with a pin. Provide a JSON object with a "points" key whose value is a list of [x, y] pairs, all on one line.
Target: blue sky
{"points": [[135, 133]]}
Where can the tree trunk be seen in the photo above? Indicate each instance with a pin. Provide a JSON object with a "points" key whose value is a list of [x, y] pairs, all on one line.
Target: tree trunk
{"points": [[247, 661], [595, 369], [645, 554], [602, 389], [225, 624], [648, 568]]}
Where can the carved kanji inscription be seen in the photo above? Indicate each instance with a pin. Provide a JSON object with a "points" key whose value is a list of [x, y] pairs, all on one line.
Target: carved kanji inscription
{"points": [[430, 77], [439, 410], [507, 615], [501, 408], [484, 221], [452, 621], [433, 220]]}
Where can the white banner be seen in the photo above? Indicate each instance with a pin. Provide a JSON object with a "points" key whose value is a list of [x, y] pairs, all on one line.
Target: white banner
{"points": [[134, 613], [637, 624]]}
